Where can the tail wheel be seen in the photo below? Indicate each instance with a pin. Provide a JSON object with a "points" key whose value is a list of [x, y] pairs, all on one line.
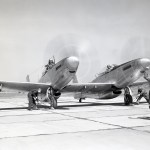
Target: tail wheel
{"points": [[128, 99], [80, 100]]}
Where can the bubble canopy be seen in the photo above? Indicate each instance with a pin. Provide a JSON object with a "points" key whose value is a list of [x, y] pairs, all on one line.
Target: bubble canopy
{"points": [[107, 69]]}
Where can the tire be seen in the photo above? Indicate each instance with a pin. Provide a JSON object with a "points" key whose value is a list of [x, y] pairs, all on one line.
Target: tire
{"points": [[80, 100], [128, 99], [54, 102]]}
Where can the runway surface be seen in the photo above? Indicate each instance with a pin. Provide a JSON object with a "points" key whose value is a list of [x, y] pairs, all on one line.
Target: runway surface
{"points": [[91, 125]]}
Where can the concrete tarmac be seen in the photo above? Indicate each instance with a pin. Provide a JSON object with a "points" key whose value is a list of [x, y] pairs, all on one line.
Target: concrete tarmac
{"points": [[90, 125]]}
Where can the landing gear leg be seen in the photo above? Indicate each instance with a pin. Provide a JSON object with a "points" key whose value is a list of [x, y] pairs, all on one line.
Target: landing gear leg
{"points": [[80, 100]]}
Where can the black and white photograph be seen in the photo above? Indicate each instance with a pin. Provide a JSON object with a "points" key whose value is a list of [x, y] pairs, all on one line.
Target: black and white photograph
{"points": [[74, 74]]}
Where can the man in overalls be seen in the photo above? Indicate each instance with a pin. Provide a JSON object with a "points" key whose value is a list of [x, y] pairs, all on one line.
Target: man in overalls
{"points": [[143, 94], [32, 98]]}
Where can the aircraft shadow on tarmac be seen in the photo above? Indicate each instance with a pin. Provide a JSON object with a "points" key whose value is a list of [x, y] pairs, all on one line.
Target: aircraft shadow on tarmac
{"points": [[144, 117], [14, 108], [83, 104]]}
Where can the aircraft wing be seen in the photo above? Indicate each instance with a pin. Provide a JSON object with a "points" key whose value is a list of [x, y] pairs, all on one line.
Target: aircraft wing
{"points": [[88, 87], [136, 84], [71, 88], [24, 86]]}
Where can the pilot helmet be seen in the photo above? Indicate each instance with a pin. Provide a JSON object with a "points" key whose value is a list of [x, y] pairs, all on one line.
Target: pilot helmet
{"points": [[108, 66], [50, 61]]}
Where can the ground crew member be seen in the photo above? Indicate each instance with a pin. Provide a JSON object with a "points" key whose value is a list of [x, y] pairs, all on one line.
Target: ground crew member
{"points": [[146, 76], [50, 98], [32, 98], [149, 100], [143, 93], [128, 96]]}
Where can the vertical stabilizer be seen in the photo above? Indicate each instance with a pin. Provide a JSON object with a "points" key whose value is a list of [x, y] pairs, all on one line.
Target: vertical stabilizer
{"points": [[27, 78]]}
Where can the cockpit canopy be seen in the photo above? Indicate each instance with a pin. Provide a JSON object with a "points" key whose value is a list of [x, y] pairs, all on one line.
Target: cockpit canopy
{"points": [[110, 67], [107, 69], [49, 65]]}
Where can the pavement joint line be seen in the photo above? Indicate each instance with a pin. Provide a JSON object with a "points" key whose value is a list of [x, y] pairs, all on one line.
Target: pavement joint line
{"points": [[73, 116], [141, 126], [36, 121], [59, 133], [88, 119], [119, 126], [36, 135], [81, 118], [25, 115], [66, 119], [121, 116]]}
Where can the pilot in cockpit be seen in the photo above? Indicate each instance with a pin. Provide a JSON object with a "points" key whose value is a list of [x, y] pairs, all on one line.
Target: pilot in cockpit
{"points": [[50, 64], [109, 67]]}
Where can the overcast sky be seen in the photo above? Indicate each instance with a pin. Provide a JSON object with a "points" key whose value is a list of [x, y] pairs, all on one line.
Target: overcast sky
{"points": [[103, 32]]}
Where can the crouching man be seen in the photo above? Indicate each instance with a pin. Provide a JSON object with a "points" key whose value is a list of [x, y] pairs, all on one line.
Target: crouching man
{"points": [[33, 98], [143, 94]]}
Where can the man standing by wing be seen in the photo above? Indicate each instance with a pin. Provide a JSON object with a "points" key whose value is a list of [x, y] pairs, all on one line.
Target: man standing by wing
{"points": [[32, 98]]}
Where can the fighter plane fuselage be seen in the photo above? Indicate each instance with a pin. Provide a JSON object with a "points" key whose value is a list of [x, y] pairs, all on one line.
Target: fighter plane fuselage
{"points": [[107, 85], [120, 76], [61, 73], [124, 74]]}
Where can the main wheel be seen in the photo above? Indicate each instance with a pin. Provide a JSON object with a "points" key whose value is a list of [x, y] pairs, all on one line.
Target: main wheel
{"points": [[53, 102], [128, 99]]}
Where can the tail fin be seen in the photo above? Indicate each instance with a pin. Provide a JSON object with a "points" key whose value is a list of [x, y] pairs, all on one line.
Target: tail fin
{"points": [[27, 78], [75, 80]]}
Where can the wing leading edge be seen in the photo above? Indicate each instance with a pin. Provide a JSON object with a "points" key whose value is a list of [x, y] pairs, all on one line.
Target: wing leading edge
{"points": [[71, 88], [24, 86], [138, 84]]}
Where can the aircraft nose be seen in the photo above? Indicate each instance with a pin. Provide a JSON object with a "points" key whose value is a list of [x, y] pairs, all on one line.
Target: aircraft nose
{"points": [[145, 63], [72, 63]]}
